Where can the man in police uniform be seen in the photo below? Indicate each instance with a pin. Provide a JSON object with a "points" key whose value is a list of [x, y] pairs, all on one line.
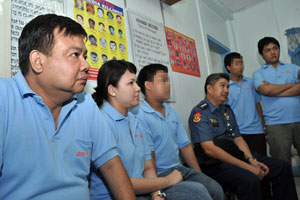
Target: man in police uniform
{"points": [[212, 121]]}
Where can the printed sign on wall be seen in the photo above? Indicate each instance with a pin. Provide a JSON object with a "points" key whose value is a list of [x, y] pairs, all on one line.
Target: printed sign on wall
{"points": [[183, 54], [104, 24]]}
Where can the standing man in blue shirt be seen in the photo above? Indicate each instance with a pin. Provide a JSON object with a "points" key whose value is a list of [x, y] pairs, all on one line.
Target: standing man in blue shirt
{"points": [[167, 134], [223, 153], [245, 103], [51, 132], [279, 87]]}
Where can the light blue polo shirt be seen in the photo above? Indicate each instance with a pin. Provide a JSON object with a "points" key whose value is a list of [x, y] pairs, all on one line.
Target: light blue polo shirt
{"points": [[39, 162], [242, 100], [167, 135], [279, 110], [132, 145]]}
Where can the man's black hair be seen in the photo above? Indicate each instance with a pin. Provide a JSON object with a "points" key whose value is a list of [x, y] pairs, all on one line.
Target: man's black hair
{"points": [[213, 78], [265, 41], [38, 34], [147, 74], [229, 58]]}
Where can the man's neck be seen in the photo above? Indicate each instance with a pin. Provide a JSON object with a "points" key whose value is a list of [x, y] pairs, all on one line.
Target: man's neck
{"points": [[236, 78], [156, 105], [217, 104], [273, 64]]}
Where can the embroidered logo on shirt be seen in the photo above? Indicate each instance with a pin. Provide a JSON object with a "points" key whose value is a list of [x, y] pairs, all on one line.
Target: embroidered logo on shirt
{"points": [[82, 154], [139, 135], [285, 72], [197, 117]]}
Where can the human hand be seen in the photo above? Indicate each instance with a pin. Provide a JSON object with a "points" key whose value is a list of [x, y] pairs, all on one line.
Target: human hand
{"points": [[257, 171], [175, 177], [265, 82], [158, 198], [265, 170]]}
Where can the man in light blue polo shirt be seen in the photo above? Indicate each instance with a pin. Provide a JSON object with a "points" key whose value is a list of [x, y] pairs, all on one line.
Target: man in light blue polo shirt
{"points": [[279, 87], [51, 132], [167, 133], [245, 103]]}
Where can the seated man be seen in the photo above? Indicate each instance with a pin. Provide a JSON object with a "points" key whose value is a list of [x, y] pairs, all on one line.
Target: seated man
{"points": [[225, 156], [168, 135], [51, 132]]}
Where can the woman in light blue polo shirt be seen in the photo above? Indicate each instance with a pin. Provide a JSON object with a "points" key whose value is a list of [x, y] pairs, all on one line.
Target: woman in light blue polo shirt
{"points": [[117, 92]]}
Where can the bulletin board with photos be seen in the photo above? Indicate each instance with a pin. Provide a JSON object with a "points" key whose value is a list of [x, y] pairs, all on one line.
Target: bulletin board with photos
{"points": [[104, 24]]}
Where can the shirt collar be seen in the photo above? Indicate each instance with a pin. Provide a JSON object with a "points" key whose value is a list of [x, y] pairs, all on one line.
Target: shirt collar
{"points": [[233, 82], [26, 91], [147, 108], [112, 112], [266, 66], [211, 107], [23, 86]]}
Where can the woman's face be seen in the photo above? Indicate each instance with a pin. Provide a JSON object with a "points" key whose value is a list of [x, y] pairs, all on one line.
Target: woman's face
{"points": [[127, 92]]}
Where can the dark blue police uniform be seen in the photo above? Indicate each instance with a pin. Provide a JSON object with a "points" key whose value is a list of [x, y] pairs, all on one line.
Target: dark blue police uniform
{"points": [[207, 122]]}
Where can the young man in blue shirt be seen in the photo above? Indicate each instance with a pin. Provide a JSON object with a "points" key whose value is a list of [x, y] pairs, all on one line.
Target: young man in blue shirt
{"points": [[245, 103], [279, 87], [167, 133], [51, 132]]}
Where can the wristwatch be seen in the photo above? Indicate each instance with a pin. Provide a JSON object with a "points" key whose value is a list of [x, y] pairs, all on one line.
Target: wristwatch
{"points": [[250, 158], [158, 193]]}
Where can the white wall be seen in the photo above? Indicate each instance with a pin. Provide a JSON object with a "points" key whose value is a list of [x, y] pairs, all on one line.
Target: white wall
{"points": [[269, 18], [189, 17], [5, 38]]}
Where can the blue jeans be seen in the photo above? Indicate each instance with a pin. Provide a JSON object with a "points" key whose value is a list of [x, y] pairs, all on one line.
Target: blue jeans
{"points": [[195, 185]]}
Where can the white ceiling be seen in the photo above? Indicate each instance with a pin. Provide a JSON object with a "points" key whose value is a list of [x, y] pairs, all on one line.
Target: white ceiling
{"points": [[236, 5]]}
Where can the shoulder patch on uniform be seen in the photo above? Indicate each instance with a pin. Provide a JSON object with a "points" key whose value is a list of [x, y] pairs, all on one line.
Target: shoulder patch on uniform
{"points": [[203, 106], [197, 117]]}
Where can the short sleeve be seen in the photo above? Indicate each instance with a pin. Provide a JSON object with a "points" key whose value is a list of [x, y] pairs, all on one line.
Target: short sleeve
{"points": [[257, 78], [181, 136], [104, 144], [200, 127]]}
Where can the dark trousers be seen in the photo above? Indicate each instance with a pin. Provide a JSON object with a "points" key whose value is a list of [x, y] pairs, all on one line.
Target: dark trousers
{"points": [[256, 143], [247, 186]]}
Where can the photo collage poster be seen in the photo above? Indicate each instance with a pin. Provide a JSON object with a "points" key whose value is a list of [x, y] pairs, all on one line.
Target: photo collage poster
{"points": [[104, 24], [183, 54]]}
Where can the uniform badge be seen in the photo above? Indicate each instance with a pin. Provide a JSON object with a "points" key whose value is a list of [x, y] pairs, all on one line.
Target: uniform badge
{"points": [[197, 117], [214, 122], [227, 116]]}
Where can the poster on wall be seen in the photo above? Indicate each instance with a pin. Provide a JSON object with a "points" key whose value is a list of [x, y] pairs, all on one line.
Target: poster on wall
{"points": [[148, 43], [182, 52], [22, 11], [104, 24]]}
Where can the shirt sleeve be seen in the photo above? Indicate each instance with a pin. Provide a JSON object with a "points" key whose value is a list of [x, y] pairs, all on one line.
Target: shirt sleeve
{"points": [[104, 144], [257, 78], [146, 141], [257, 96], [200, 127], [181, 135], [148, 132]]}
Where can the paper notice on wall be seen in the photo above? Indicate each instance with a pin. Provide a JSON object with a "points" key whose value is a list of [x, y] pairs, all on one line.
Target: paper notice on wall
{"points": [[148, 43], [22, 11]]}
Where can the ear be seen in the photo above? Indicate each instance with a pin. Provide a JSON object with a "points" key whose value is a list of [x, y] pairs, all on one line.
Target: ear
{"points": [[35, 59], [111, 90], [209, 88], [148, 85], [228, 67]]}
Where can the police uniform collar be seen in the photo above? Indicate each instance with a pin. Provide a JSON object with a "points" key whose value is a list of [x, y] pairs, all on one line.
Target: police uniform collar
{"points": [[112, 112], [211, 107], [266, 66]]}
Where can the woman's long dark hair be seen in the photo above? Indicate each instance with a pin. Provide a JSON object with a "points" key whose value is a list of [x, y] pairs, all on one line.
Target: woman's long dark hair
{"points": [[110, 74]]}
